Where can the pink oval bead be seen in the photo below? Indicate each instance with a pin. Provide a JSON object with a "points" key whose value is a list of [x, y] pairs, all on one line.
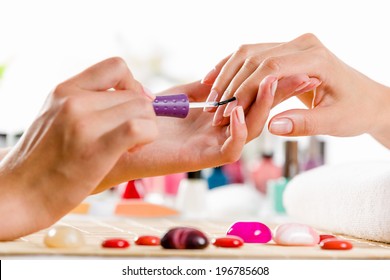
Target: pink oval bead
{"points": [[325, 236], [229, 241], [296, 235], [335, 244], [115, 243], [251, 232], [148, 240]]}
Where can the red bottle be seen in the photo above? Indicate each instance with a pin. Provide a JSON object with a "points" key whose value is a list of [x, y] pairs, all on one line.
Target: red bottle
{"points": [[263, 171]]}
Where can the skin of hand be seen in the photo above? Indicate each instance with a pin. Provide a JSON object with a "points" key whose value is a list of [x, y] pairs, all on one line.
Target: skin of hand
{"points": [[341, 101], [79, 135], [188, 144]]}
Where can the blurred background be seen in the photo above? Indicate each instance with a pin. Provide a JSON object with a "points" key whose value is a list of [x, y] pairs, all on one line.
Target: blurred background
{"points": [[171, 42]]}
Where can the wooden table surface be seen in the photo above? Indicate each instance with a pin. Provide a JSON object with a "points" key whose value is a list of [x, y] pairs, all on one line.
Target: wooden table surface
{"points": [[97, 229]]}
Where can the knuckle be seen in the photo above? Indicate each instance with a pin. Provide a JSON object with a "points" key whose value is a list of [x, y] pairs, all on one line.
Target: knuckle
{"points": [[60, 91], [271, 64], [309, 125], [243, 50], [252, 62], [308, 38], [69, 106], [117, 61], [132, 128]]}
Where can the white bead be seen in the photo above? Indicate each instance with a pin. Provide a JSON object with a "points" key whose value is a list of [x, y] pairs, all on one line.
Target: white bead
{"points": [[64, 237], [296, 235]]}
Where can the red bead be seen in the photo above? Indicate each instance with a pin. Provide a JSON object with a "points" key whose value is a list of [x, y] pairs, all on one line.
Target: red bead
{"points": [[326, 236], [335, 244], [148, 240], [229, 241], [115, 243]]}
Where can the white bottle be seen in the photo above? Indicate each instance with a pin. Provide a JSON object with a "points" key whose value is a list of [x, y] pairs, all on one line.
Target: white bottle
{"points": [[191, 198]]}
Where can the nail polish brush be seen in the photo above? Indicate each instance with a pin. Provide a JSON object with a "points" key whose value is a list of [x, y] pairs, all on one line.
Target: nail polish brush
{"points": [[178, 105]]}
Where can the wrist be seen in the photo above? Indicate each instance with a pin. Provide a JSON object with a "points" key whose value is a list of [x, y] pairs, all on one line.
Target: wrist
{"points": [[21, 211], [381, 126]]}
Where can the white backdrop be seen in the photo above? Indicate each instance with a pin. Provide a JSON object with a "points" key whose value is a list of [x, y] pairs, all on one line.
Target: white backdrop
{"points": [[167, 42]]}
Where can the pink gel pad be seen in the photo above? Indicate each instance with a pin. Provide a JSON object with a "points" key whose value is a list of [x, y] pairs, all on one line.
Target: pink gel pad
{"points": [[251, 232]]}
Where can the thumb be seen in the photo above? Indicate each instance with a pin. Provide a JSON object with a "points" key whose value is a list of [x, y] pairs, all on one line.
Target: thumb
{"points": [[303, 122]]}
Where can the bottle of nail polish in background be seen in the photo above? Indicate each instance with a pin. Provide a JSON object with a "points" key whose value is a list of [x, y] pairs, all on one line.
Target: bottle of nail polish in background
{"points": [[133, 190], [234, 172], [275, 189], [313, 155], [191, 198], [171, 187], [263, 171], [217, 178]]}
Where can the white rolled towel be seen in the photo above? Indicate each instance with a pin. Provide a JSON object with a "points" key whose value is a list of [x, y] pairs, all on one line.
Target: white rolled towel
{"points": [[351, 199]]}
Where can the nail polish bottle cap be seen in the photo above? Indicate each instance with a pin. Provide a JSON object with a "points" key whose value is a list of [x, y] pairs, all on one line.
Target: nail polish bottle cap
{"points": [[194, 175], [291, 165]]}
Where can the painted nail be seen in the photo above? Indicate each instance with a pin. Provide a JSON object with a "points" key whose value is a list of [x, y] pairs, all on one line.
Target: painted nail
{"points": [[302, 86], [281, 126], [218, 117], [240, 114], [274, 86], [207, 79], [267, 80], [213, 96], [148, 93], [314, 82], [229, 108]]}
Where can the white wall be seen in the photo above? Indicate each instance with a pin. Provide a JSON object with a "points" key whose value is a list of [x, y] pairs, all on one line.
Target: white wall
{"points": [[44, 42]]}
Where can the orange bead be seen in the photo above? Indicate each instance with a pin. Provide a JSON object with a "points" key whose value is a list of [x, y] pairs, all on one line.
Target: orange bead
{"points": [[229, 241], [335, 244], [326, 236], [148, 240], [115, 243]]}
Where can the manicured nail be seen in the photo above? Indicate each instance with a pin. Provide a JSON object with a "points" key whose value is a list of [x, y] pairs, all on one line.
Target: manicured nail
{"points": [[240, 114], [217, 118], [313, 83], [302, 86], [148, 93], [266, 81], [229, 108], [213, 96], [274, 86], [207, 79], [281, 126]]}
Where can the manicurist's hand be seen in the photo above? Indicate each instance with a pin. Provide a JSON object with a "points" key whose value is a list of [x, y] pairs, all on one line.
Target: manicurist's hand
{"points": [[345, 103], [79, 135]]}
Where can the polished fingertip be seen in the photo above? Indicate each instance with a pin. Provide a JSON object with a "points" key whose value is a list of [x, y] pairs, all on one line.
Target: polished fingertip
{"points": [[213, 96], [217, 119], [240, 114], [229, 108], [281, 126], [273, 88]]}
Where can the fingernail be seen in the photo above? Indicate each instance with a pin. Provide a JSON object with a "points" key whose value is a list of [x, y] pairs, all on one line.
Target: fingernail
{"points": [[302, 86], [281, 126], [240, 114], [148, 93], [274, 86], [269, 79], [217, 118], [313, 83], [213, 96], [207, 79], [229, 108]]}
